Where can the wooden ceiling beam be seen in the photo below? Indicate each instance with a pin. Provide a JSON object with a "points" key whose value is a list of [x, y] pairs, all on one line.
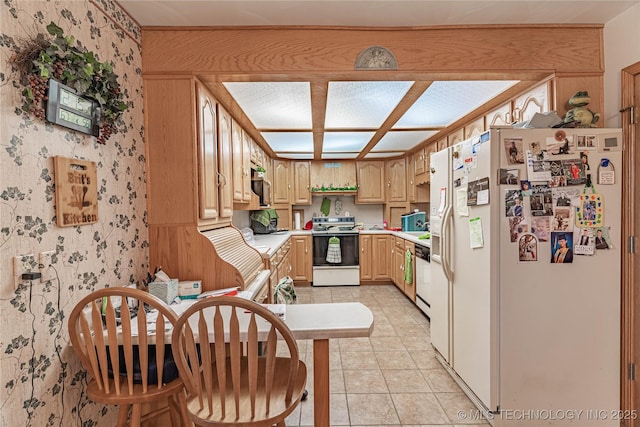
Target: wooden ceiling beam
{"points": [[319, 91], [412, 95]]}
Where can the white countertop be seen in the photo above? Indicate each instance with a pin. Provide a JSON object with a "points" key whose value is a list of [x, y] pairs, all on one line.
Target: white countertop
{"points": [[313, 321], [268, 244]]}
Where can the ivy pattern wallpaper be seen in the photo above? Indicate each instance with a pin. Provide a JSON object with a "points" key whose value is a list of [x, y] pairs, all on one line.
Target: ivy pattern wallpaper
{"points": [[42, 382]]}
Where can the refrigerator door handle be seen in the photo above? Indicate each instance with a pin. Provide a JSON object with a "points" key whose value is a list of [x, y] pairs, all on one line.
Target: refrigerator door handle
{"points": [[446, 243]]}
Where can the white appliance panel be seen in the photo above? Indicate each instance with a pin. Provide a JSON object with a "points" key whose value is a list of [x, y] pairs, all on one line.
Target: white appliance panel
{"points": [[517, 335], [559, 323], [472, 329], [440, 288]]}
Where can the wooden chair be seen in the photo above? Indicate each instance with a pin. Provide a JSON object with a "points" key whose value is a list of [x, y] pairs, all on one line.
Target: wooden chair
{"points": [[228, 379], [118, 357]]}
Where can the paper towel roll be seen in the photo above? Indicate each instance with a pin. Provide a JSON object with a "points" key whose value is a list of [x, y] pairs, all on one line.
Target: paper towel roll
{"points": [[296, 220]]}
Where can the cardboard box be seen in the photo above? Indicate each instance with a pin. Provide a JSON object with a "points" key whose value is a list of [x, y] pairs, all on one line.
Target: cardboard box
{"points": [[189, 289]]}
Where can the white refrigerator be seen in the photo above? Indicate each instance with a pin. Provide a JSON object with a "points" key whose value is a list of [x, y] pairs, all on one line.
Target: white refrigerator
{"points": [[524, 315]]}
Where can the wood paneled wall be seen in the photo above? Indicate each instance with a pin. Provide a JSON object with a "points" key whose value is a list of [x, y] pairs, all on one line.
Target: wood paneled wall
{"points": [[255, 50]]}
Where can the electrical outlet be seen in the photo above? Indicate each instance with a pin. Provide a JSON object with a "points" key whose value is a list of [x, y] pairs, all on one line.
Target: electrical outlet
{"points": [[23, 264], [47, 260]]}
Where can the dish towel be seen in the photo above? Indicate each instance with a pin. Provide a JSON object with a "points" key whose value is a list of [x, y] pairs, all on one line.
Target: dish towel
{"points": [[408, 267], [264, 216], [334, 255], [325, 207]]}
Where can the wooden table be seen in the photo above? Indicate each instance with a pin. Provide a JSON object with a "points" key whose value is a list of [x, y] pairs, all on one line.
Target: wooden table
{"points": [[320, 323]]}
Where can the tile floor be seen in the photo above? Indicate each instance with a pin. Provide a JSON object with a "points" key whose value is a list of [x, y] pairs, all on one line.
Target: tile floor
{"points": [[391, 378]]}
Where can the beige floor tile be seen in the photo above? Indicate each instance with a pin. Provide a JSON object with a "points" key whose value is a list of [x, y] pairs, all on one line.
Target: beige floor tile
{"points": [[365, 381], [370, 409], [417, 408], [355, 344], [440, 381], [395, 360], [387, 343], [459, 408], [425, 359], [358, 360], [417, 342], [383, 330], [405, 381], [339, 414], [389, 379]]}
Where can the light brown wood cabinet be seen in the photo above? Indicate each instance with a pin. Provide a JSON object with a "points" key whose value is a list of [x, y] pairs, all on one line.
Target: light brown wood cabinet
{"points": [[371, 184], [396, 180], [381, 248], [301, 183], [455, 137], [241, 164], [367, 257], [301, 259], [338, 174], [397, 265], [375, 257], [281, 181], [186, 165], [225, 163], [280, 265]]}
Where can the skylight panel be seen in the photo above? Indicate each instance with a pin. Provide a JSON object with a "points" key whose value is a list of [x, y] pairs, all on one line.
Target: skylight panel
{"points": [[362, 104], [289, 141], [274, 105], [446, 101]]}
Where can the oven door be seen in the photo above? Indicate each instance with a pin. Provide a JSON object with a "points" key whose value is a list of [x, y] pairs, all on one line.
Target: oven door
{"points": [[329, 252]]}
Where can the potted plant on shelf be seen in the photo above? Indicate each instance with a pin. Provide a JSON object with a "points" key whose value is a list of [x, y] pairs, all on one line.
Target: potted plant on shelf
{"points": [[260, 171]]}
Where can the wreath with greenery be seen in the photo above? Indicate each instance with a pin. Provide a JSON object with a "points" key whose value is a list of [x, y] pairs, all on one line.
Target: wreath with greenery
{"points": [[44, 58]]}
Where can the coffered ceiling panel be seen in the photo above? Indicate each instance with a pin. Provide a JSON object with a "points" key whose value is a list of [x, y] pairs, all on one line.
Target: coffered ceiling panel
{"points": [[362, 104], [274, 105], [444, 102], [402, 140]]}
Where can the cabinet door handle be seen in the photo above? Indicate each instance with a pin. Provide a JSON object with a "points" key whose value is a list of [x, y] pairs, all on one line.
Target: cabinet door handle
{"points": [[222, 181]]}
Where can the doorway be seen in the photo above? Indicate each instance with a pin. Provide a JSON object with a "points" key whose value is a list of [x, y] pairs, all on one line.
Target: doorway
{"points": [[630, 388]]}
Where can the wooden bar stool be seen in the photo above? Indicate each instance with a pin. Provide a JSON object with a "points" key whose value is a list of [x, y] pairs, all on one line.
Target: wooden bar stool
{"points": [[127, 364]]}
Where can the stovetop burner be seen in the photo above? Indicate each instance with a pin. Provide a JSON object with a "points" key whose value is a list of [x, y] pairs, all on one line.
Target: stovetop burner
{"points": [[334, 224]]}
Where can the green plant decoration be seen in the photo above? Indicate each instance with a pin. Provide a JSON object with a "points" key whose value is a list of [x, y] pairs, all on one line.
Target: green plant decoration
{"points": [[58, 58]]}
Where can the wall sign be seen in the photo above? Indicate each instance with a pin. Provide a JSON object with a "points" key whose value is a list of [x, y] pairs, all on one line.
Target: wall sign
{"points": [[76, 192]]}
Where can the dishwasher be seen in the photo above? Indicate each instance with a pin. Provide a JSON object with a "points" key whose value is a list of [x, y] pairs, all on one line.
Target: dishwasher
{"points": [[423, 279]]}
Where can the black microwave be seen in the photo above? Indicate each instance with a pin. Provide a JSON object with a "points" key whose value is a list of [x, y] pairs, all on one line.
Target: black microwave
{"points": [[262, 188]]}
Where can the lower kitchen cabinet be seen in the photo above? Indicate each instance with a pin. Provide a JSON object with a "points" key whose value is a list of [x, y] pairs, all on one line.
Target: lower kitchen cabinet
{"points": [[375, 257], [301, 259], [397, 269]]}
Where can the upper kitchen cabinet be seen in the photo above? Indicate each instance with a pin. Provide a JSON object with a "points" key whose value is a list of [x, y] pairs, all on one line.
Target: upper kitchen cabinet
{"points": [[186, 167], [521, 108], [241, 164], [474, 128], [501, 116], [536, 100], [225, 162], [281, 181], [301, 183], [258, 156], [396, 178], [336, 176], [455, 137], [371, 183]]}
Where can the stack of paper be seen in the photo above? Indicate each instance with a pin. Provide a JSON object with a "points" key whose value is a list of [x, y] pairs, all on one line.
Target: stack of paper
{"points": [[220, 292]]}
